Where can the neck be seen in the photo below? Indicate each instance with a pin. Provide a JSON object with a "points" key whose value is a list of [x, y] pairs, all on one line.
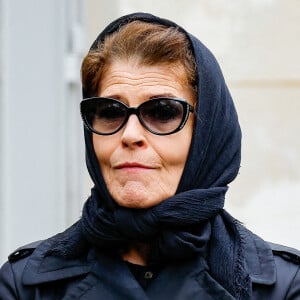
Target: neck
{"points": [[136, 253]]}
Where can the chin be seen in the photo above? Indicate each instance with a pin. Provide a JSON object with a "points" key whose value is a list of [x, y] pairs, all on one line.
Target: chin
{"points": [[137, 203]]}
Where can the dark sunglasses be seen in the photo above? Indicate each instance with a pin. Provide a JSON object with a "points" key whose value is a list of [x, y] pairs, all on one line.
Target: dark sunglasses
{"points": [[161, 116]]}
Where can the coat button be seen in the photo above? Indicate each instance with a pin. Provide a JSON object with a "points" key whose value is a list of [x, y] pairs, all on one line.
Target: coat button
{"points": [[148, 275]]}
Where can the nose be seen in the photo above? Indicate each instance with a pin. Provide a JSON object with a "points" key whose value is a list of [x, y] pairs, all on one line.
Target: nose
{"points": [[133, 133]]}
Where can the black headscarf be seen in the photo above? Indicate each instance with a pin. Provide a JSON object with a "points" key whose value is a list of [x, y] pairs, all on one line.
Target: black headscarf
{"points": [[193, 221]]}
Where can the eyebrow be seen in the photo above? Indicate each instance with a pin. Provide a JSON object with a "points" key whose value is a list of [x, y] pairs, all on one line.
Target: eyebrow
{"points": [[113, 97], [169, 95]]}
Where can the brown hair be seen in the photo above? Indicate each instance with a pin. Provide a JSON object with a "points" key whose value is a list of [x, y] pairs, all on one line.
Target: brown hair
{"points": [[150, 44]]}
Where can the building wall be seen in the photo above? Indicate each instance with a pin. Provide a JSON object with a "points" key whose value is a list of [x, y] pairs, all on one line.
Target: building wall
{"points": [[42, 179]]}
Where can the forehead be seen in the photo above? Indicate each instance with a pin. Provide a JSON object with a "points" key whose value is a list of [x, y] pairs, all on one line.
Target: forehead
{"points": [[129, 77]]}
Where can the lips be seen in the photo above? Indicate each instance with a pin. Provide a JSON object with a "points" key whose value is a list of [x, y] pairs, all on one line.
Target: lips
{"points": [[132, 165]]}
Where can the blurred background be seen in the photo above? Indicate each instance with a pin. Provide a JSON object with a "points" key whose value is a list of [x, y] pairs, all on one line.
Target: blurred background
{"points": [[43, 179]]}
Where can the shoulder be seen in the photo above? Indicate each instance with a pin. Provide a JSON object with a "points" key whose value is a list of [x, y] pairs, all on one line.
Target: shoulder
{"points": [[286, 265], [18, 258], [23, 252], [267, 258], [288, 254], [36, 261], [32, 267], [274, 269], [11, 272], [287, 262]]}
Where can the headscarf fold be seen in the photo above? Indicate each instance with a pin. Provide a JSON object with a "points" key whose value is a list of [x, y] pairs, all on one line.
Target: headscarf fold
{"points": [[193, 221]]}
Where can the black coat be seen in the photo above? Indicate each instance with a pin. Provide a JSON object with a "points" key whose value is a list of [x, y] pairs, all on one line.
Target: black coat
{"points": [[29, 275]]}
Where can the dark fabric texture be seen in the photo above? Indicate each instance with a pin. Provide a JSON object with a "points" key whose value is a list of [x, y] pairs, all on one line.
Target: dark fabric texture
{"points": [[31, 275], [193, 221]]}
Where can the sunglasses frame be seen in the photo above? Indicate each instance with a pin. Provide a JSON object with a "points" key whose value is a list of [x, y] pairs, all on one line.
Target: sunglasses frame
{"points": [[187, 109]]}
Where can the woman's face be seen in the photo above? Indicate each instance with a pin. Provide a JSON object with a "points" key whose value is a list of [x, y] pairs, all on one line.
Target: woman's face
{"points": [[142, 169]]}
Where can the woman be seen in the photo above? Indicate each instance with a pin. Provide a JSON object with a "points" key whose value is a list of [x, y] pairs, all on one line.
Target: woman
{"points": [[162, 144]]}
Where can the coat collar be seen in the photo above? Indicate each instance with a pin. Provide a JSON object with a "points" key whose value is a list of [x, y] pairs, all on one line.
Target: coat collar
{"points": [[111, 278], [259, 259], [41, 268]]}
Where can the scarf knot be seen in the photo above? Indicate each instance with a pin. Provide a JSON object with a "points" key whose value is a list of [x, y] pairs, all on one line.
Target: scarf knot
{"points": [[133, 226]]}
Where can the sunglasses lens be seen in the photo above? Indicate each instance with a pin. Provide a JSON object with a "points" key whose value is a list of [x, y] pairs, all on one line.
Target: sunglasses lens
{"points": [[162, 115], [105, 116]]}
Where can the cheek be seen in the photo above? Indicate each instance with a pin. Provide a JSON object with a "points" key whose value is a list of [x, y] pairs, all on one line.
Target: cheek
{"points": [[103, 149], [174, 152], [178, 148]]}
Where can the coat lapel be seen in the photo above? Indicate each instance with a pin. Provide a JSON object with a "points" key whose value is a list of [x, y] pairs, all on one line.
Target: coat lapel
{"points": [[187, 280], [260, 260], [113, 281], [41, 268]]}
